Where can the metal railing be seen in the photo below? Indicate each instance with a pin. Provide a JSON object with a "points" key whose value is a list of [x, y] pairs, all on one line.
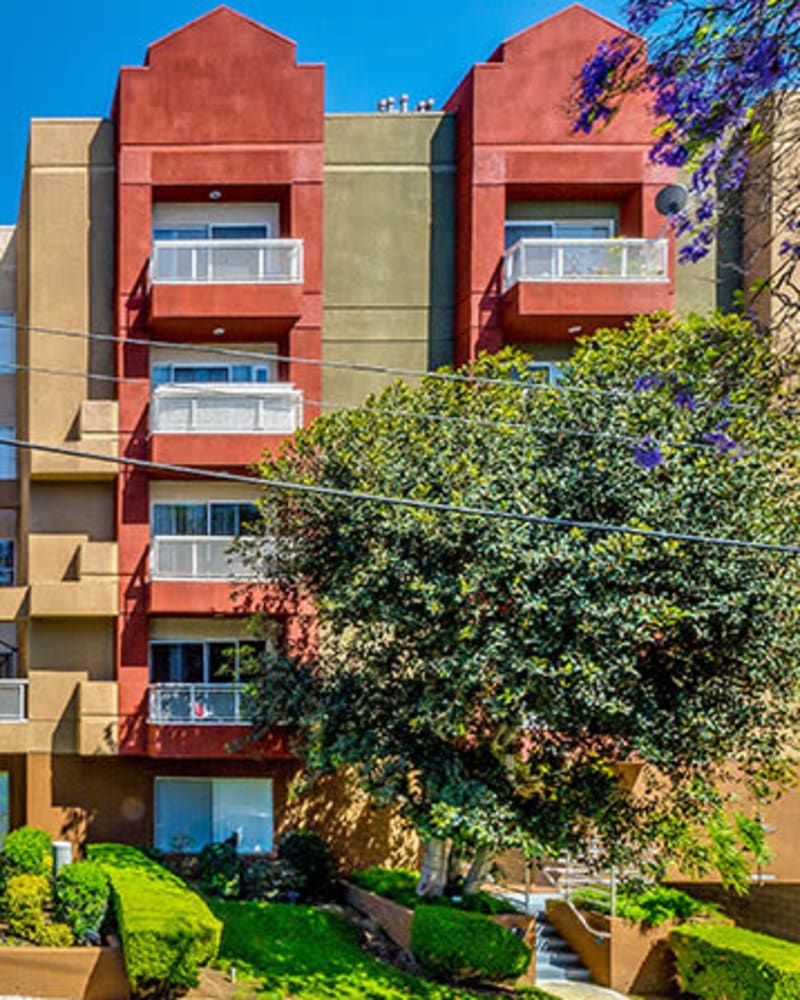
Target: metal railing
{"points": [[195, 557], [586, 260], [199, 705], [227, 262], [13, 700], [237, 408]]}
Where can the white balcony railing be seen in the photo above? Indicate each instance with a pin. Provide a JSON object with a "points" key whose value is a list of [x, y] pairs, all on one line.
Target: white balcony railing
{"points": [[13, 700], [227, 262], [195, 557], [586, 260], [199, 705], [238, 408]]}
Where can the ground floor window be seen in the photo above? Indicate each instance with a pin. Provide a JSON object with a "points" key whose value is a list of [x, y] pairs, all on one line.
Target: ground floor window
{"points": [[193, 812]]}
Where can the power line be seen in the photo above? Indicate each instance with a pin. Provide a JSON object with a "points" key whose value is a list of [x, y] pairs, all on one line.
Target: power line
{"points": [[409, 502], [361, 367], [215, 389]]}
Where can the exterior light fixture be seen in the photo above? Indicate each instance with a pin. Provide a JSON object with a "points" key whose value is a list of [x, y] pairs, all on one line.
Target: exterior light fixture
{"points": [[218, 331], [574, 329], [215, 195]]}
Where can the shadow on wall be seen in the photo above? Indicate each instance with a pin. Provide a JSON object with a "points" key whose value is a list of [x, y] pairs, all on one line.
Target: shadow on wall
{"points": [[359, 834]]}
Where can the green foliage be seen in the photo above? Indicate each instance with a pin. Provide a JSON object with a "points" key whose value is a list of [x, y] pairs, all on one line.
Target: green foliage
{"points": [[311, 858], [81, 894], [26, 898], [308, 954], [167, 931], [27, 851], [653, 907], [55, 936], [466, 945], [400, 885], [219, 870], [728, 963], [490, 675], [269, 879]]}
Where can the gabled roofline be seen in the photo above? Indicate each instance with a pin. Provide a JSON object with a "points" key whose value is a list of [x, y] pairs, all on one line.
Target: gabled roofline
{"points": [[222, 8], [618, 28]]}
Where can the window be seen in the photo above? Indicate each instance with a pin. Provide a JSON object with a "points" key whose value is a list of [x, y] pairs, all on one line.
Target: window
{"points": [[559, 229], [193, 812], [203, 374], [6, 562], [205, 231], [202, 661], [8, 454], [8, 342], [225, 519]]}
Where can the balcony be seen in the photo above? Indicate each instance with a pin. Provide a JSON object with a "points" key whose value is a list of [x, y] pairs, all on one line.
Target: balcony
{"points": [[552, 286], [195, 557], [13, 700], [199, 705], [226, 409], [242, 285]]}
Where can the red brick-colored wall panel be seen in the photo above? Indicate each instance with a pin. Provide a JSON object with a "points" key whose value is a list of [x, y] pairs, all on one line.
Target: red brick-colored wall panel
{"points": [[204, 742], [515, 142], [221, 104], [221, 78]]}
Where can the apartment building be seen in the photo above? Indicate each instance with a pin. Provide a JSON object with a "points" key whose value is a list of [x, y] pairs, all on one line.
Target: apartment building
{"points": [[220, 209]]}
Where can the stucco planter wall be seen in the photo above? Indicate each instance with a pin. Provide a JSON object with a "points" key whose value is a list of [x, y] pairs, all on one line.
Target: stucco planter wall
{"points": [[619, 954], [395, 921], [66, 973]]}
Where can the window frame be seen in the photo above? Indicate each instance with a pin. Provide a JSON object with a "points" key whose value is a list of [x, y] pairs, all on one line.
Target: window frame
{"points": [[206, 643], [215, 820], [13, 543], [207, 504], [173, 366], [554, 223]]}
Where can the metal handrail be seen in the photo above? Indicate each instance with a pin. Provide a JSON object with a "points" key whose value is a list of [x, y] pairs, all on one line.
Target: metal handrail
{"points": [[628, 259], [220, 563], [21, 686], [196, 261], [176, 703], [266, 408]]}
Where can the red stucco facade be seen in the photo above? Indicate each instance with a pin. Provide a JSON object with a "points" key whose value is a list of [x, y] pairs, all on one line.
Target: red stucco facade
{"points": [[220, 105], [515, 143]]}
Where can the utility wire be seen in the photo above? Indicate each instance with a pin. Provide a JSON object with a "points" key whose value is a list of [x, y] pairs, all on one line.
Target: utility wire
{"points": [[409, 502], [362, 367], [216, 389]]}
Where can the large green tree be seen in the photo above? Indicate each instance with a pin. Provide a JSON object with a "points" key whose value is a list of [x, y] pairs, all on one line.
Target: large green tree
{"points": [[501, 679]]}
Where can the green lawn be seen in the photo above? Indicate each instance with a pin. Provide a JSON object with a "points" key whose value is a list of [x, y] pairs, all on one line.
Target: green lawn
{"points": [[300, 953]]}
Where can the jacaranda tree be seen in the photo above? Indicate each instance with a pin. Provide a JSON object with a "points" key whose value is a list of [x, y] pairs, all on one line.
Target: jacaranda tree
{"points": [[724, 82], [504, 680]]}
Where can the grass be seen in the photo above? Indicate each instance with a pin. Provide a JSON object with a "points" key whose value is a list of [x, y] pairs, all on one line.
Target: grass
{"points": [[400, 885], [302, 953]]}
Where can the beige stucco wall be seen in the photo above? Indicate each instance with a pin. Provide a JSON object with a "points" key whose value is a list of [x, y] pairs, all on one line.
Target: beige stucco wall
{"points": [[388, 246], [68, 555]]}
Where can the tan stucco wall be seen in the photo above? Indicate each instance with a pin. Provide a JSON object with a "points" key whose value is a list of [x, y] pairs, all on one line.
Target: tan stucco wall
{"points": [[389, 246]]}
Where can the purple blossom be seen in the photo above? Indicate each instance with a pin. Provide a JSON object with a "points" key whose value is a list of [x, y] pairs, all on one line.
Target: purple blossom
{"points": [[723, 442], [684, 399], [647, 453], [644, 383]]}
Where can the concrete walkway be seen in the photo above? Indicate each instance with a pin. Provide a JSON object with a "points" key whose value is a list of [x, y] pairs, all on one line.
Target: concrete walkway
{"points": [[578, 991]]}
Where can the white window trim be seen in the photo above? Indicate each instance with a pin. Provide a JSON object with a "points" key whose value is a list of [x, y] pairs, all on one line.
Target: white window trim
{"points": [[159, 779], [196, 503], [205, 643]]}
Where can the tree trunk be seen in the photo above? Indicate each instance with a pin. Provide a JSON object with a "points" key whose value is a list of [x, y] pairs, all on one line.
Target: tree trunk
{"points": [[433, 874], [478, 870]]}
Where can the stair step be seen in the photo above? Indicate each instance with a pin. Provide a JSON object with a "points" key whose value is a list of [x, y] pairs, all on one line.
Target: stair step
{"points": [[545, 972]]}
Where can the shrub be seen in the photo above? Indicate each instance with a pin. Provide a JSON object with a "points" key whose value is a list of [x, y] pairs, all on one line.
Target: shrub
{"points": [[82, 892], [219, 870], [652, 907], [716, 961], [311, 858], [167, 931], [267, 879], [55, 936], [27, 851], [460, 945], [400, 885], [26, 897]]}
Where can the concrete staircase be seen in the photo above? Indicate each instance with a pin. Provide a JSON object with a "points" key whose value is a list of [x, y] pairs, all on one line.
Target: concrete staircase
{"points": [[554, 959]]}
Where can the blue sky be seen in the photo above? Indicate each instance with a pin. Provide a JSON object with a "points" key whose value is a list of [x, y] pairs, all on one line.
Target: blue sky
{"points": [[63, 58]]}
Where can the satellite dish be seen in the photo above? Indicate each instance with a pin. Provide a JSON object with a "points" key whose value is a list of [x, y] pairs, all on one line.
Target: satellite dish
{"points": [[671, 199]]}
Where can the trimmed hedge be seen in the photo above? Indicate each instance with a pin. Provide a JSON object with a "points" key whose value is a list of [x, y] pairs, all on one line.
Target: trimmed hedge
{"points": [[460, 945], [26, 897], [653, 906], [716, 962], [400, 885], [167, 931], [27, 851]]}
